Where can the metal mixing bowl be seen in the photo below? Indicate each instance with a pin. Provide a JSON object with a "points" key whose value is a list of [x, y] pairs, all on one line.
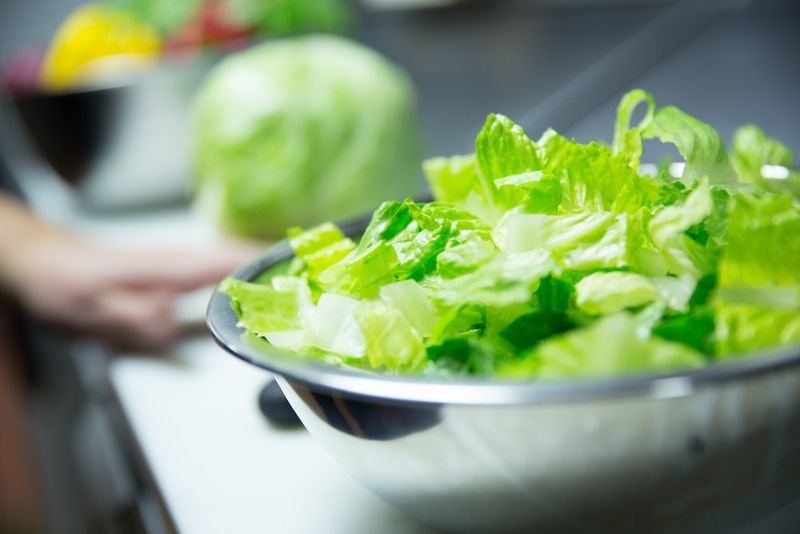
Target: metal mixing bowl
{"points": [[703, 450], [124, 143]]}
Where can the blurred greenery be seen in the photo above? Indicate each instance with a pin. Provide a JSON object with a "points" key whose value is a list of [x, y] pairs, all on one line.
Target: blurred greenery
{"points": [[265, 16]]}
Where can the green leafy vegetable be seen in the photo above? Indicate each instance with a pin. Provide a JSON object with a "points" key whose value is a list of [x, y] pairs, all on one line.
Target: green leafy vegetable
{"points": [[608, 347], [701, 146], [752, 149], [552, 259], [299, 130]]}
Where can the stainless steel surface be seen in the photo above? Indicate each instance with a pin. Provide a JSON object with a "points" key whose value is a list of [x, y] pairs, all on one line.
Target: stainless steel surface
{"points": [[719, 457], [700, 450]]}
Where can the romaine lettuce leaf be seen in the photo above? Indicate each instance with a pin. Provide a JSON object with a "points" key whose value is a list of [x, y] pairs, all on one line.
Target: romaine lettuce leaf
{"points": [[627, 140], [763, 249], [391, 341], [279, 311], [320, 247], [609, 292], [701, 146], [413, 302], [608, 347], [744, 328], [593, 177], [333, 327], [502, 149], [752, 149]]}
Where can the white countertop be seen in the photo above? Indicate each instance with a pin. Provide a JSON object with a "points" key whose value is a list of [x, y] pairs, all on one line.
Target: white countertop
{"points": [[220, 466]]}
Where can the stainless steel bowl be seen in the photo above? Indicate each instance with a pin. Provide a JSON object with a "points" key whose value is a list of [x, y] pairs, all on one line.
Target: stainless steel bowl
{"points": [[706, 450], [121, 144]]}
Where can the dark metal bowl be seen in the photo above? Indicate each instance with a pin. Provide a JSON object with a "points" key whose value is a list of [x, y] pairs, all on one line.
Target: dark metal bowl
{"points": [[125, 143]]}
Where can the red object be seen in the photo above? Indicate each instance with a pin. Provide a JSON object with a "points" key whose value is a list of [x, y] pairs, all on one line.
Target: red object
{"points": [[207, 26]]}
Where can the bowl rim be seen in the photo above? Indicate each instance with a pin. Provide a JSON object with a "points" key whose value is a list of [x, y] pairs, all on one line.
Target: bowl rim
{"points": [[484, 391]]}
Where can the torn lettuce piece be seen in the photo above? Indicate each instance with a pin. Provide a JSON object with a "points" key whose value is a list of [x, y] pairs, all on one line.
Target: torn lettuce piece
{"points": [[507, 280], [320, 247], [695, 329], [284, 305], [593, 178], [742, 328], [627, 140], [579, 241], [413, 302], [752, 149], [457, 181], [333, 327], [501, 150], [404, 241], [609, 292], [763, 249], [452, 179], [608, 347], [669, 226], [532, 192], [391, 342], [528, 330], [699, 144]]}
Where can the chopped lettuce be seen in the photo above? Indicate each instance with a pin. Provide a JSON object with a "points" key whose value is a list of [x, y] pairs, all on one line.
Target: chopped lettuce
{"points": [[752, 149], [551, 259], [604, 293], [608, 347], [701, 146]]}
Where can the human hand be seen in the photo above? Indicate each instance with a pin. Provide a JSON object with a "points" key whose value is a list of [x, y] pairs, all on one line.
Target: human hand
{"points": [[123, 297]]}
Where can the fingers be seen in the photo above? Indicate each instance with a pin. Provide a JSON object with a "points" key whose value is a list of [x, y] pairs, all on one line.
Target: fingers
{"points": [[140, 320], [181, 271], [127, 297]]}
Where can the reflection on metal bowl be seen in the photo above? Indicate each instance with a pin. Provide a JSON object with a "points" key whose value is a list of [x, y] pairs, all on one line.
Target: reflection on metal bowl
{"points": [[122, 144], [710, 449]]}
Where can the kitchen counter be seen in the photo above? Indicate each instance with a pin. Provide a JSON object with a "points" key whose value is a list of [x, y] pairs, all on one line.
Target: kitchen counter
{"points": [[220, 466]]}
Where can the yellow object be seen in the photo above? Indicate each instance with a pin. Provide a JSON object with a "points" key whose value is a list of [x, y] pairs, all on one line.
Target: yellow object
{"points": [[96, 32]]}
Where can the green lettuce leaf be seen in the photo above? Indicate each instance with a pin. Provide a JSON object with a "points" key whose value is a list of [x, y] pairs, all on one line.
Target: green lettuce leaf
{"points": [[609, 292], [743, 328], [762, 250], [752, 149], [333, 326], [701, 146], [413, 302], [391, 341], [593, 177], [627, 140], [278, 312], [502, 149], [320, 247], [405, 241], [608, 347]]}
